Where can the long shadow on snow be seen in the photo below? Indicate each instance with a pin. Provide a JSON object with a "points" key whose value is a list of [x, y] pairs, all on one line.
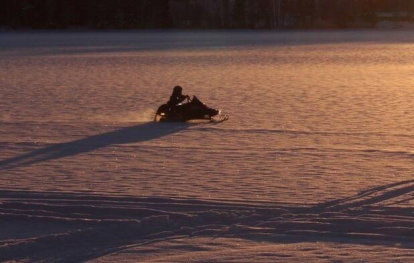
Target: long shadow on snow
{"points": [[106, 224], [134, 134]]}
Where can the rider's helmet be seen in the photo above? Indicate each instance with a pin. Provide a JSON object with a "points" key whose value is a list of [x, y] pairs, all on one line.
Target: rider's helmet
{"points": [[177, 90]]}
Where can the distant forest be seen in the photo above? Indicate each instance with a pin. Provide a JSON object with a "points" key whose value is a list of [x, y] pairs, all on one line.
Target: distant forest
{"points": [[200, 14]]}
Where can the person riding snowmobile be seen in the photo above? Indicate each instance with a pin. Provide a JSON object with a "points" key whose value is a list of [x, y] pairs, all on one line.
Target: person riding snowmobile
{"points": [[176, 98], [175, 110]]}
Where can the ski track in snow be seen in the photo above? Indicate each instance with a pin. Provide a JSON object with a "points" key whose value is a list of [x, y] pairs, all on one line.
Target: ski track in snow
{"points": [[91, 226]]}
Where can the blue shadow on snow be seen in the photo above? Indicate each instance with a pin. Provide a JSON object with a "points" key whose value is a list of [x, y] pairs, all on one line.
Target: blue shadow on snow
{"points": [[134, 134]]}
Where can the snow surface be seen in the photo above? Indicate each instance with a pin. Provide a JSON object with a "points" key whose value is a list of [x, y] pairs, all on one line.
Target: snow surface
{"points": [[315, 163]]}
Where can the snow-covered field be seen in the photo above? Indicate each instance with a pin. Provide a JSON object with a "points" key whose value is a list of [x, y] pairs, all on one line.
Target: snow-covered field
{"points": [[315, 163]]}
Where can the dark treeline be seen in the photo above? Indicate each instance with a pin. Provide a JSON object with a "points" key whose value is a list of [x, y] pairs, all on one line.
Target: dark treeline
{"points": [[146, 14]]}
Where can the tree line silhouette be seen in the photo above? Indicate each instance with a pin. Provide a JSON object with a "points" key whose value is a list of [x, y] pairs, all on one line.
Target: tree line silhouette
{"points": [[209, 14]]}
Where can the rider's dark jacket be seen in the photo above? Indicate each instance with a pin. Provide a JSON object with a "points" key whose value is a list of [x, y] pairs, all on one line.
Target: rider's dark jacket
{"points": [[175, 99]]}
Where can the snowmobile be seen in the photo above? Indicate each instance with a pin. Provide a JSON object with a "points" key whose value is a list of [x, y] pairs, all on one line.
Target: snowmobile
{"points": [[193, 110]]}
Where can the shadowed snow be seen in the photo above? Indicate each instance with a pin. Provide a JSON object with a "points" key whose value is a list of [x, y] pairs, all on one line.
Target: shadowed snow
{"points": [[134, 134], [94, 225]]}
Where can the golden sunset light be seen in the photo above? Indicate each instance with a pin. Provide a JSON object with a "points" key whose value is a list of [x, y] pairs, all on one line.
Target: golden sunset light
{"points": [[206, 131]]}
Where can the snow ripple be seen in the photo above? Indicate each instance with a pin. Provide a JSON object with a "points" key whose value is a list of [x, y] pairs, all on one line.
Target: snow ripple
{"points": [[301, 132]]}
